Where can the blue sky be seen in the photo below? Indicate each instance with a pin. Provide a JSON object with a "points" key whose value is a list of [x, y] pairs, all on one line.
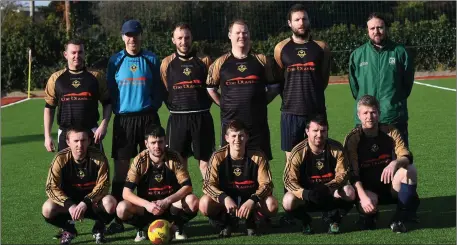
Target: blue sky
{"points": [[37, 3]]}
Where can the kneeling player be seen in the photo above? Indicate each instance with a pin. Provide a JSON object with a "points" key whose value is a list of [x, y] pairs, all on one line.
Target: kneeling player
{"points": [[378, 176], [164, 188], [237, 184], [77, 188], [315, 178]]}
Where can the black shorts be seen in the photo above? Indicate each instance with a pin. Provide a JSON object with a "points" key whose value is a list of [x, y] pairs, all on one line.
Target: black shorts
{"points": [[62, 140], [386, 194], [313, 207], [191, 134], [128, 133], [259, 138], [292, 130]]}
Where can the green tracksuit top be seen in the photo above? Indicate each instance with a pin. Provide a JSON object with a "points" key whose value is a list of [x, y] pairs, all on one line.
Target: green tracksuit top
{"points": [[387, 74]]}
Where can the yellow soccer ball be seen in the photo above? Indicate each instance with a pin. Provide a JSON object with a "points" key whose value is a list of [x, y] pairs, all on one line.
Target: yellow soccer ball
{"points": [[159, 232]]}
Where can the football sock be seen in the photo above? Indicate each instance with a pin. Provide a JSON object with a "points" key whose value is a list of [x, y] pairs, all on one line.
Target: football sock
{"points": [[180, 216], [300, 213], [408, 201], [137, 221], [62, 221]]}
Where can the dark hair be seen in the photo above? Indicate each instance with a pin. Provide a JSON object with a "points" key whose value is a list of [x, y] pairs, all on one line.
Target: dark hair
{"points": [[181, 25], [368, 100], [377, 16], [319, 119], [76, 129], [235, 125], [239, 22], [154, 131], [295, 8], [74, 42]]}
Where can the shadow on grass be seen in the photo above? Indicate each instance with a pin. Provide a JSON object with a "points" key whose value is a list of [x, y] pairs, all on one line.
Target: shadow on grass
{"points": [[26, 138]]}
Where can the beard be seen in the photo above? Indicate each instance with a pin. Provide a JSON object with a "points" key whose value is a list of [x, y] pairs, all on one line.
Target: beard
{"points": [[380, 42], [303, 35]]}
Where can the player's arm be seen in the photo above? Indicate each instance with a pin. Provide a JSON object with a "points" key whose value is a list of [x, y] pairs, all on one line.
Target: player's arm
{"points": [[212, 82], [408, 75], [404, 156], [53, 183], [350, 144], [264, 178], [101, 186], [211, 181], [49, 112], [291, 175], [159, 90], [133, 177], [273, 86], [278, 66], [341, 170], [353, 84], [105, 100], [182, 175]]}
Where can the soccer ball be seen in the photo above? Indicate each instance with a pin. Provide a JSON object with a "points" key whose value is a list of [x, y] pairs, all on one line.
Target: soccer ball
{"points": [[159, 232]]}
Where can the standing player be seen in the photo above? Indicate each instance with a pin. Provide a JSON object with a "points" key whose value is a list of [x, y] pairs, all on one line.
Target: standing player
{"points": [[243, 77], [77, 187], [305, 64], [377, 175], [164, 188], [316, 178], [76, 91], [384, 69], [237, 184], [190, 127], [137, 93]]}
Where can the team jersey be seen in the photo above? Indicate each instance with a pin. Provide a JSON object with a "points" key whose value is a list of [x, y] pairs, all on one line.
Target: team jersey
{"points": [[185, 82], [304, 169], [246, 178], [76, 94], [306, 73], [134, 82], [156, 183], [70, 182], [243, 84], [369, 156]]}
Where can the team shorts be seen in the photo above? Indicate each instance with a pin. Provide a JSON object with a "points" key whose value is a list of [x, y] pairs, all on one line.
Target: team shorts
{"points": [[62, 139], [128, 133], [259, 138], [191, 134], [386, 193], [292, 130]]}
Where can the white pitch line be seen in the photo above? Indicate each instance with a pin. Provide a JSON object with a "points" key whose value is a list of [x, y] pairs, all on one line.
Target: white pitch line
{"points": [[17, 102], [434, 86]]}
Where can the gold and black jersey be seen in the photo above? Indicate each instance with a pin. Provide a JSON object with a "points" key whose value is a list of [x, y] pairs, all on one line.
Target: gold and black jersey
{"points": [[306, 69], [156, 183], [246, 178], [76, 94], [185, 80], [70, 182], [243, 83], [368, 156], [304, 169]]}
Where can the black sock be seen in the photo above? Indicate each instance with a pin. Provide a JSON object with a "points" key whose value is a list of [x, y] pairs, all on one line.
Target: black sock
{"points": [[104, 216], [62, 221], [408, 201], [300, 214], [137, 221], [180, 217]]}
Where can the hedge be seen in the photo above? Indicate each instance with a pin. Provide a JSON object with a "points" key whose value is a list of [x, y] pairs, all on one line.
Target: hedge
{"points": [[431, 42]]}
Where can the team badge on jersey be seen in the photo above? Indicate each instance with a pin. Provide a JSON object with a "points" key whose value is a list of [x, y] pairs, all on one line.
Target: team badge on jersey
{"points": [[301, 53], [237, 171], [158, 177], [392, 60], [81, 174], [374, 148], [187, 71], [133, 68], [319, 165], [76, 83], [242, 68]]}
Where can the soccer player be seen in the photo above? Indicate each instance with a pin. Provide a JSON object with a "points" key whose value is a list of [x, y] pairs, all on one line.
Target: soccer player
{"points": [[384, 69], [246, 86], [77, 187], [190, 128], [316, 178], [237, 184], [305, 64], [137, 93], [378, 175], [75, 91], [164, 188]]}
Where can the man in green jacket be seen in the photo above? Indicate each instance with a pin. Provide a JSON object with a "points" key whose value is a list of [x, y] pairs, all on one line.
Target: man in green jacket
{"points": [[383, 68]]}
